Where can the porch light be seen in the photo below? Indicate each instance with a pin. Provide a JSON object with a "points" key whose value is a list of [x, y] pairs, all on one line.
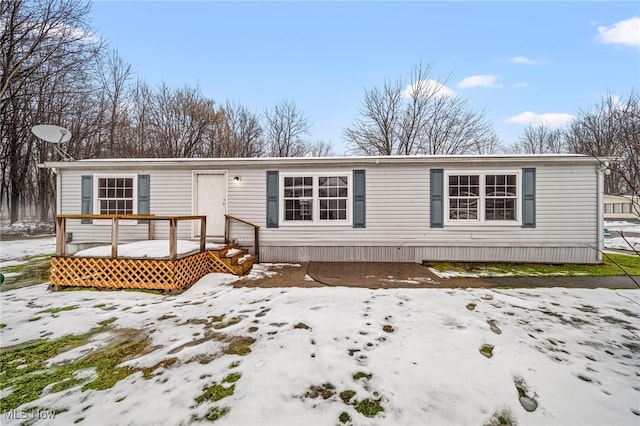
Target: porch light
{"points": [[237, 179]]}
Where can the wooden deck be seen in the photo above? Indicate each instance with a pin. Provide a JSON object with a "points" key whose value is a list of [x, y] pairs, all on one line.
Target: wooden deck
{"points": [[168, 274], [145, 273]]}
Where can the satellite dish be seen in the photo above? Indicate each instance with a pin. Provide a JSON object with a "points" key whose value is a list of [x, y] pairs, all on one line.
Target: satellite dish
{"points": [[54, 134], [51, 133]]}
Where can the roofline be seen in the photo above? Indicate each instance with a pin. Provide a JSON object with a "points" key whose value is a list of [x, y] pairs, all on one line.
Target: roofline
{"points": [[124, 163]]}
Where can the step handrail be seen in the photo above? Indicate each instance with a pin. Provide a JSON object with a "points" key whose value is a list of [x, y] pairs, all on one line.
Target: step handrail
{"points": [[256, 239]]}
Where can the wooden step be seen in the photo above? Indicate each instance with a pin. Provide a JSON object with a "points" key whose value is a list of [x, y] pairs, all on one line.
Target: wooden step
{"points": [[223, 251], [245, 266], [231, 257], [237, 260]]}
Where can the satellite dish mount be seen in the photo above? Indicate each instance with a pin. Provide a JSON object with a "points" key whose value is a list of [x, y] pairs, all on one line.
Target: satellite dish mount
{"points": [[55, 135]]}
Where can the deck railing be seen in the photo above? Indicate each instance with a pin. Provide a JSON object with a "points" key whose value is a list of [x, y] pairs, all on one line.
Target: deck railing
{"points": [[256, 237], [61, 229]]}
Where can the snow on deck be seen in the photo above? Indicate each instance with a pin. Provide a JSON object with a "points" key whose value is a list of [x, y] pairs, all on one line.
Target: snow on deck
{"points": [[149, 248]]}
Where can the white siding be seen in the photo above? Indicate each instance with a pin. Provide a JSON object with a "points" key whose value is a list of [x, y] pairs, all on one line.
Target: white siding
{"points": [[398, 225], [397, 216], [170, 195]]}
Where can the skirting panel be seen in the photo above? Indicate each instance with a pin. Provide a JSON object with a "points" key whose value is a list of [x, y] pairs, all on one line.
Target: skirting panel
{"points": [[432, 253], [337, 254], [509, 254]]}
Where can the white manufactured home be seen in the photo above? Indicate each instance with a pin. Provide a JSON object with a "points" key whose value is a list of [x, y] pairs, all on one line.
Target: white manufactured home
{"points": [[530, 208]]}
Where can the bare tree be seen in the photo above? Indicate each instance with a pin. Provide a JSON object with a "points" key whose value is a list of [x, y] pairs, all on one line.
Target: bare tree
{"points": [[454, 128], [376, 131], [138, 116], [179, 121], [238, 133], [36, 32], [628, 117], [419, 116], [320, 148], [540, 139], [285, 127], [420, 97], [114, 76], [46, 49], [491, 145], [610, 129]]}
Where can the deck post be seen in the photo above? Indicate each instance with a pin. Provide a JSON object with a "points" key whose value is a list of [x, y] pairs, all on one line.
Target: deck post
{"points": [[256, 241], [61, 232], [203, 233], [151, 232], [114, 237], [173, 239], [226, 229]]}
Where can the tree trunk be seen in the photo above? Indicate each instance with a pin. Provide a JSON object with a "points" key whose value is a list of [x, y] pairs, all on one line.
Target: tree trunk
{"points": [[14, 202]]}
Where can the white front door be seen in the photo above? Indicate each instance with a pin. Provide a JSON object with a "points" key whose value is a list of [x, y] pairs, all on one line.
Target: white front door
{"points": [[211, 201]]}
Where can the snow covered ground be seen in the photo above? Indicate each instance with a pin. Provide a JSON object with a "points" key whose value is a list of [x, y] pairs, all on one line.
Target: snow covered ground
{"points": [[14, 252], [622, 225], [619, 243], [418, 352]]}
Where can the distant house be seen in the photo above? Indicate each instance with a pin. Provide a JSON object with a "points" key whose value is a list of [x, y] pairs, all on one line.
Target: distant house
{"points": [[533, 208], [621, 207]]}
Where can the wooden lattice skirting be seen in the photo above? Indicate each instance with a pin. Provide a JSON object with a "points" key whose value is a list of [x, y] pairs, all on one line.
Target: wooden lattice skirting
{"points": [[156, 274]]}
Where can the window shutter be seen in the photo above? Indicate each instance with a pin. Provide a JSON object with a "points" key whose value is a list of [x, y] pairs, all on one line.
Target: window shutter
{"points": [[528, 198], [437, 198], [272, 199], [87, 197], [359, 199], [144, 190]]}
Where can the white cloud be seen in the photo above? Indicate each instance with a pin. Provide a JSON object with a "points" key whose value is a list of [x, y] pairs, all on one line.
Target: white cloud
{"points": [[428, 87], [551, 119], [521, 84], [525, 60], [625, 32], [485, 80]]}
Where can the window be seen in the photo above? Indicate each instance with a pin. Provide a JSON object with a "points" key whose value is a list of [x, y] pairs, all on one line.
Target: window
{"points": [[464, 193], [311, 199], [115, 195], [482, 197], [500, 193], [298, 198], [332, 194]]}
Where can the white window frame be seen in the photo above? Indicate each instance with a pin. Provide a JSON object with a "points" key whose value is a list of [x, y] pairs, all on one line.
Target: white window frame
{"points": [[96, 199], [482, 198], [315, 216]]}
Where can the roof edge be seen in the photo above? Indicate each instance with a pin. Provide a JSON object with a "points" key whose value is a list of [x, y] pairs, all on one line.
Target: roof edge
{"points": [[122, 163]]}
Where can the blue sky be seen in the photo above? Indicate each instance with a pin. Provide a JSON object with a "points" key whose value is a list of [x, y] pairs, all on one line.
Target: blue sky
{"points": [[517, 61]]}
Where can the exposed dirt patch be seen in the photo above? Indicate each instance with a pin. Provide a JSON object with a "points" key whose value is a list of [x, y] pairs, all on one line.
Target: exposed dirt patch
{"points": [[325, 391], [403, 275], [373, 274], [284, 276]]}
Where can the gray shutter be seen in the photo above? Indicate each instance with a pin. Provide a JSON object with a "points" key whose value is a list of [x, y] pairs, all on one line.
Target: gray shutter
{"points": [[528, 198], [87, 197], [437, 198], [272, 199], [144, 189], [359, 199]]}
